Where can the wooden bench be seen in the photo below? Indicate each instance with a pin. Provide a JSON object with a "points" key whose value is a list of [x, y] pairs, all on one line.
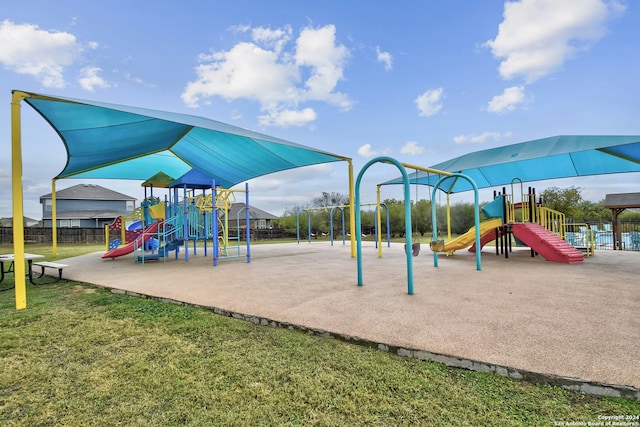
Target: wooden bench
{"points": [[44, 265]]}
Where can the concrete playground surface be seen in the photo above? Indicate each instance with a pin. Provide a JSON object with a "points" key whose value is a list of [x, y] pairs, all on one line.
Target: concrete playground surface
{"points": [[572, 325]]}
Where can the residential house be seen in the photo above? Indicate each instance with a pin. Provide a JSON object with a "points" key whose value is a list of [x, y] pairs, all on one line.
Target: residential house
{"points": [[86, 206], [28, 222], [258, 219]]}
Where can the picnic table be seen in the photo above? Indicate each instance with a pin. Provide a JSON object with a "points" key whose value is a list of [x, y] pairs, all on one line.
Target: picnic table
{"points": [[10, 258]]}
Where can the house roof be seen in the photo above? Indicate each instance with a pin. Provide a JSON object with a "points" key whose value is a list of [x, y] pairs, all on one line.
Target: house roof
{"points": [[622, 200], [8, 222], [106, 140], [254, 212], [85, 214], [87, 192]]}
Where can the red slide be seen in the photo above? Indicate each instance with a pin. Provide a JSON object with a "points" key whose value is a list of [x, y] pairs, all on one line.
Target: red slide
{"points": [[486, 238], [549, 245], [127, 249]]}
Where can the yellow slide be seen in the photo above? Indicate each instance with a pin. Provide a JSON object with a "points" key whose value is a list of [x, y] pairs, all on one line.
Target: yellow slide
{"points": [[469, 238]]}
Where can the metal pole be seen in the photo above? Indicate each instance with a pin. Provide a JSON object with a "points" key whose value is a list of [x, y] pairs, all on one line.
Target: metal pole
{"points": [[18, 209], [248, 224]]}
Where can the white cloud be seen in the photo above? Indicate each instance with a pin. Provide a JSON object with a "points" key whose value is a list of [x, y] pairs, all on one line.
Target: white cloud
{"points": [[275, 74], [26, 49], [367, 151], [276, 39], [429, 103], [537, 36], [385, 58], [479, 139], [317, 49], [508, 100], [287, 118], [90, 79], [240, 28], [245, 71], [412, 147]]}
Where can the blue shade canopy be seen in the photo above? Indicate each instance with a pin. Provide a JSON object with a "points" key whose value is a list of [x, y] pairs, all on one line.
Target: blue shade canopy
{"points": [[548, 158], [116, 141], [194, 179]]}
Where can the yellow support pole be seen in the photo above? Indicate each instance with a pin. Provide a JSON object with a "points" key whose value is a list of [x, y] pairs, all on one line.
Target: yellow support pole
{"points": [[54, 218], [430, 170], [352, 210], [18, 209]]}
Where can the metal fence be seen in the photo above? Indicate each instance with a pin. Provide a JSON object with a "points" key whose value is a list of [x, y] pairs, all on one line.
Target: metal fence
{"points": [[65, 235], [96, 235], [603, 235]]}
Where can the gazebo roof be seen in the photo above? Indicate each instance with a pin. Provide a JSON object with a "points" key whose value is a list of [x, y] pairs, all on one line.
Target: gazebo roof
{"points": [[622, 200]]}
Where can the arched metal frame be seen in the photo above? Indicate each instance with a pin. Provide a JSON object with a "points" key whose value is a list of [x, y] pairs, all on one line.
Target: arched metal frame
{"points": [[476, 214], [407, 215], [331, 223]]}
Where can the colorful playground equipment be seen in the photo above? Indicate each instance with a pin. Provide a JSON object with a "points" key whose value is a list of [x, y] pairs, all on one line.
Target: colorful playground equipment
{"points": [[527, 223], [194, 220], [134, 230]]}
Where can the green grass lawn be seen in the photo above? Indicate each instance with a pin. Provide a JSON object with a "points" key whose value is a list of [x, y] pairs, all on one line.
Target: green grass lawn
{"points": [[80, 355]]}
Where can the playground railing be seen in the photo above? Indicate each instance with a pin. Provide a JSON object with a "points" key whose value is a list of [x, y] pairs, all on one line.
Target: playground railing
{"points": [[552, 220], [169, 231], [580, 236]]}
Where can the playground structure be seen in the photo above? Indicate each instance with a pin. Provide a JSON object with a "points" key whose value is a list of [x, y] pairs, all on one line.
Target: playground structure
{"points": [[543, 230], [526, 222], [158, 228]]}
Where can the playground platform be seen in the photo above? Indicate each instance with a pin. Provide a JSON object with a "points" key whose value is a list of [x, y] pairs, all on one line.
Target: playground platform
{"points": [[573, 325]]}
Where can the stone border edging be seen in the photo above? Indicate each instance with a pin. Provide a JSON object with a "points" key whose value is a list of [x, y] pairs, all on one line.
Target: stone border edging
{"points": [[591, 388]]}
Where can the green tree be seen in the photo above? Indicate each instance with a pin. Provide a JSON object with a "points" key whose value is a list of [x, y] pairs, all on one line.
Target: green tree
{"points": [[568, 201], [330, 199], [396, 216], [462, 217], [421, 217], [595, 212]]}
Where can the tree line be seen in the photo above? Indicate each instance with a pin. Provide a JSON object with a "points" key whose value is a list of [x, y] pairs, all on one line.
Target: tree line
{"points": [[568, 201]]}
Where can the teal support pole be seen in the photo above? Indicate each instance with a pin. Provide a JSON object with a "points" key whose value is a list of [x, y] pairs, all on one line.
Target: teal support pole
{"points": [[407, 215], [248, 224], [476, 215]]}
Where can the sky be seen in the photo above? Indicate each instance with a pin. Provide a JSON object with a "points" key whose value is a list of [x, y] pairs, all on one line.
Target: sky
{"points": [[418, 81]]}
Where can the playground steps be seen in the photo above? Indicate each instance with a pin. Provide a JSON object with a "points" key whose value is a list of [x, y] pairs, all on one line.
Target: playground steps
{"points": [[162, 253], [549, 245]]}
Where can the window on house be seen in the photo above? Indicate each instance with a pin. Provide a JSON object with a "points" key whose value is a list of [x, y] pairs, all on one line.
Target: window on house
{"points": [[262, 223], [64, 223], [130, 205], [47, 205], [75, 223]]}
